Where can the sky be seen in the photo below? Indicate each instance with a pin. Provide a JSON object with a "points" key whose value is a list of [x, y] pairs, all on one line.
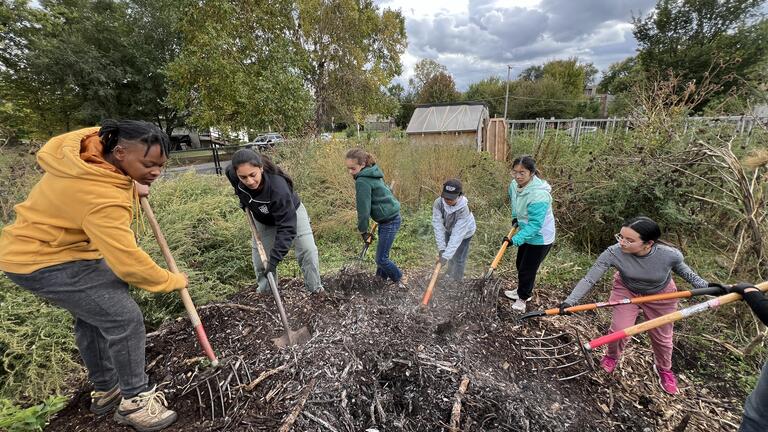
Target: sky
{"points": [[476, 39]]}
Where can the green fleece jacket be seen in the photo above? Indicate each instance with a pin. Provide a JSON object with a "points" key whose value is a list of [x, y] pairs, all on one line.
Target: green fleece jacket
{"points": [[374, 199]]}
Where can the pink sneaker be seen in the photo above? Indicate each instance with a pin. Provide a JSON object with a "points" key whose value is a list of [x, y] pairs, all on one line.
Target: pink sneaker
{"points": [[667, 380], [608, 364]]}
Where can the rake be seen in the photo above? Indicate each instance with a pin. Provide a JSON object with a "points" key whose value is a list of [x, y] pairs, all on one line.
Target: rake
{"points": [[558, 353], [502, 250]]}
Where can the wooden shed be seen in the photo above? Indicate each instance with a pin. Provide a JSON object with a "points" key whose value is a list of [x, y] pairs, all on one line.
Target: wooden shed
{"points": [[460, 124]]}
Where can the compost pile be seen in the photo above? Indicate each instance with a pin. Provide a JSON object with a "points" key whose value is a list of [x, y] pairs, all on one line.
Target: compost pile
{"points": [[376, 362]]}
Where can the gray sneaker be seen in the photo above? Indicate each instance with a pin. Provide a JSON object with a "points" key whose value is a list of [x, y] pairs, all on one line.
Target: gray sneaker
{"points": [[103, 402], [512, 294], [145, 412]]}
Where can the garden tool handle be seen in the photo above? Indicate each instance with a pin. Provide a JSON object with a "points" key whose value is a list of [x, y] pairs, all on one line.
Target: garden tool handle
{"points": [[371, 232], [431, 286], [186, 299], [669, 318], [270, 276], [502, 250], [637, 300]]}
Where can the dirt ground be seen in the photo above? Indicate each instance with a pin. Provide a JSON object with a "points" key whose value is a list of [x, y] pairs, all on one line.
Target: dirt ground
{"points": [[376, 362]]}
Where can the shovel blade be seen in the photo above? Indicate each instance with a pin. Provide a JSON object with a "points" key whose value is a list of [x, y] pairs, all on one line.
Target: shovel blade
{"points": [[532, 314], [290, 338]]}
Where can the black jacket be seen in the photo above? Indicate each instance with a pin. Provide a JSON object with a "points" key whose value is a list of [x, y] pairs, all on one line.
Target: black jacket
{"points": [[273, 204]]}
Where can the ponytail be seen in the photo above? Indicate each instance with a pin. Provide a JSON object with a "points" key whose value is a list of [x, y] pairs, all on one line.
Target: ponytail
{"points": [[361, 156], [249, 156], [647, 229], [112, 132]]}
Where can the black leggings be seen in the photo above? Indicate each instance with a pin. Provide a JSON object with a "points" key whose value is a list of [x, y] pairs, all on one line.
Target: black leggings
{"points": [[529, 258]]}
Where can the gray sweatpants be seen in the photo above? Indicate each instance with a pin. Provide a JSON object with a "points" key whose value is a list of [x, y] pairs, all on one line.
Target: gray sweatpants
{"points": [[109, 327], [306, 252], [756, 407]]}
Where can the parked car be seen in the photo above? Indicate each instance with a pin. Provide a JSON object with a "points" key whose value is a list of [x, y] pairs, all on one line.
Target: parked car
{"points": [[265, 141]]}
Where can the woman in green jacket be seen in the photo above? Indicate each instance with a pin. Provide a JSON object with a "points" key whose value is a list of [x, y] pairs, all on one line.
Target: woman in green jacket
{"points": [[375, 201]]}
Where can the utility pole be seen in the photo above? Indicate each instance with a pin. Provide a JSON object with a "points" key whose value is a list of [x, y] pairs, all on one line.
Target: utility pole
{"points": [[506, 98]]}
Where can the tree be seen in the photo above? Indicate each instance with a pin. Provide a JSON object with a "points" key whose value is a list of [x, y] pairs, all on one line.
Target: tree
{"points": [[703, 40], [492, 91], [539, 99], [352, 51], [439, 89], [73, 63], [569, 73], [532, 73], [423, 72], [621, 76], [239, 67]]}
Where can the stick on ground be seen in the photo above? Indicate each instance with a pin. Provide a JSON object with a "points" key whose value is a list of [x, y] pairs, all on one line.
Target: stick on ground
{"points": [[456, 411], [288, 423]]}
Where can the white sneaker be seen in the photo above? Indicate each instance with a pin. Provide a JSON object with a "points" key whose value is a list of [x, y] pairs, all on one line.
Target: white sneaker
{"points": [[512, 294], [519, 305]]}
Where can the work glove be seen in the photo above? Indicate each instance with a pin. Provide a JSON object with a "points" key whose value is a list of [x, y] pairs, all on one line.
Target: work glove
{"points": [[739, 287], [272, 268], [506, 240], [563, 307], [514, 221], [723, 288], [367, 237], [442, 260]]}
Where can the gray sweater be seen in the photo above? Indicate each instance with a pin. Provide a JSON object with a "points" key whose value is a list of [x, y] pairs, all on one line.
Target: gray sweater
{"points": [[643, 275]]}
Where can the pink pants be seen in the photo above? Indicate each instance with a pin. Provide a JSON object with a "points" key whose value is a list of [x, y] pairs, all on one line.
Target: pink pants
{"points": [[625, 315]]}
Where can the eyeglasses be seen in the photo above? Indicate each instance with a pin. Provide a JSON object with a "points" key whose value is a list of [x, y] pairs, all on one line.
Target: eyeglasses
{"points": [[520, 173], [621, 239]]}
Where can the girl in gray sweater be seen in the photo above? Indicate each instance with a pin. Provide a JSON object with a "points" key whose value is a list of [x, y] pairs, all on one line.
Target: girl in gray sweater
{"points": [[643, 266]]}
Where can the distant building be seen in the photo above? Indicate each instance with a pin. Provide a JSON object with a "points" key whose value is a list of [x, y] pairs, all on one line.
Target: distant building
{"points": [[378, 122], [460, 123]]}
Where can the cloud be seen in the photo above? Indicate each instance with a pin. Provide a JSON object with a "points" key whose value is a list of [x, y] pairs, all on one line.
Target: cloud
{"points": [[479, 38]]}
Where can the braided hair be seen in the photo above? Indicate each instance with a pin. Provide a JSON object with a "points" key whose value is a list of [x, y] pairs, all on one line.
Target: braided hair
{"points": [[114, 131]]}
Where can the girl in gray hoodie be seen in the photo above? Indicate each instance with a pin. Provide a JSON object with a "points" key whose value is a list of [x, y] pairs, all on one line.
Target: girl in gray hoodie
{"points": [[454, 226]]}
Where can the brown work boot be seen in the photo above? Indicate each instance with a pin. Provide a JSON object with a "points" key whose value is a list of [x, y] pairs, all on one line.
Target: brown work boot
{"points": [[103, 402], [145, 412]]}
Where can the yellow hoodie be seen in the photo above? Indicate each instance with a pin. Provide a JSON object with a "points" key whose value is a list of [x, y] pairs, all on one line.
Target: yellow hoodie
{"points": [[80, 211]]}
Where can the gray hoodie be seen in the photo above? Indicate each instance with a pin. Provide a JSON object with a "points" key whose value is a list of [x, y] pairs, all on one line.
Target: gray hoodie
{"points": [[455, 222]]}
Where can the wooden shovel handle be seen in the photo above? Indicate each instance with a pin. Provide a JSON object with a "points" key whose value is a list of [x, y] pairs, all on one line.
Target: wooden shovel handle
{"points": [[431, 286], [189, 306]]}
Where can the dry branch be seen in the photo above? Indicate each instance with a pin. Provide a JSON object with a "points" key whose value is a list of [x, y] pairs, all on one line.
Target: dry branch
{"points": [[264, 375], [456, 411], [288, 423]]}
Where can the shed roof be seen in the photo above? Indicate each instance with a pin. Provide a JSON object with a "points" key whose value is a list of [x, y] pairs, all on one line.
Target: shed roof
{"points": [[447, 118]]}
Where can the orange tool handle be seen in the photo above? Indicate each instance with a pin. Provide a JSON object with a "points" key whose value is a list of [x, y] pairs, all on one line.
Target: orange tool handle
{"points": [[668, 318], [431, 286], [184, 293], [503, 249]]}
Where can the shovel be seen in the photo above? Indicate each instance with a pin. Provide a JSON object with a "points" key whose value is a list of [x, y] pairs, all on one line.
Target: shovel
{"points": [[634, 300], [202, 338], [431, 286], [668, 318], [290, 337], [500, 254]]}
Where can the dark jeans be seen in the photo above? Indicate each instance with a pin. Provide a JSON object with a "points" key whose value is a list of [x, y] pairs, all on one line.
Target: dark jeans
{"points": [[385, 268], [458, 261], [109, 327], [529, 258], [756, 407]]}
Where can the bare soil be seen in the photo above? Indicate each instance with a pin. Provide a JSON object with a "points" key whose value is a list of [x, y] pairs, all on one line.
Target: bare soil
{"points": [[376, 362]]}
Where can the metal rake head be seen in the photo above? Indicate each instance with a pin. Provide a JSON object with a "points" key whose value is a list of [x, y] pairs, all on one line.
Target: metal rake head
{"points": [[222, 391], [562, 353]]}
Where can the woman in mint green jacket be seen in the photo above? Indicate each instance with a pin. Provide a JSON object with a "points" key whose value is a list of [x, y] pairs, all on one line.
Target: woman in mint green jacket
{"points": [[532, 210], [375, 201]]}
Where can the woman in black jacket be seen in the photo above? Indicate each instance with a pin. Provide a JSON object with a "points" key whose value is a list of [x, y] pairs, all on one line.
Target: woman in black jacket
{"points": [[279, 216]]}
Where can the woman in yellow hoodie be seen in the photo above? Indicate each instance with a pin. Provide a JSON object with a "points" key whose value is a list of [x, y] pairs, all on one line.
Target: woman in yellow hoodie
{"points": [[72, 244]]}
